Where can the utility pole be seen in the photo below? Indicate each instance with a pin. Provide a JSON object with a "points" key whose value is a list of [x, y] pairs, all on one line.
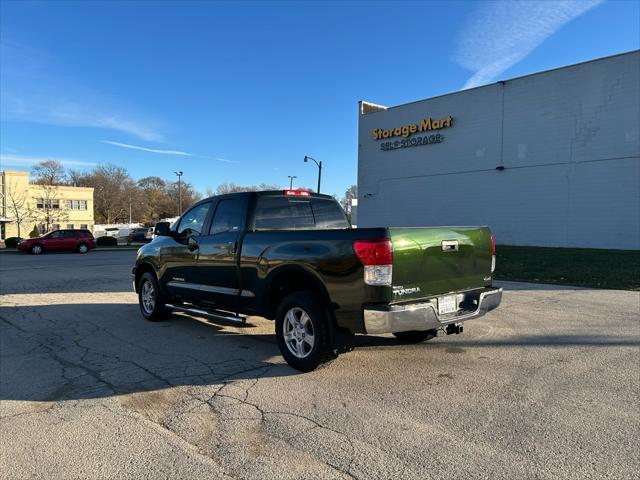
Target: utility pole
{"points": [[291, 177], [179, 174], [319, 165], [129, 207]]}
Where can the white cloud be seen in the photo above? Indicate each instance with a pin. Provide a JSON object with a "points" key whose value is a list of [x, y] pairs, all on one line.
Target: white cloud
{"points": [[165, 152], [21, 160], [146, 149], [501, 33]]}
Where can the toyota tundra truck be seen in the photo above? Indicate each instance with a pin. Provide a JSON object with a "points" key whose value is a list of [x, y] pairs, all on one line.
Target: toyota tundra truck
{"points": [[292, 256]]}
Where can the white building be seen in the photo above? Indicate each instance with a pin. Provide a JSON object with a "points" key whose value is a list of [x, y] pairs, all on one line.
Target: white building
{"points": [[549, 159]]}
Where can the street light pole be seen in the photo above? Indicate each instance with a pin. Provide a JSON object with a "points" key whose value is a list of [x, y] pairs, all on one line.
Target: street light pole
{"points": [[179, 174], [319, 165], [291, 177]]}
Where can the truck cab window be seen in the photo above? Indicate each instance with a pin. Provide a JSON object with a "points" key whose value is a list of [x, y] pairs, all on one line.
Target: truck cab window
{"points": [[328, 214], [228, 217], [193, 221], [283, 213]]}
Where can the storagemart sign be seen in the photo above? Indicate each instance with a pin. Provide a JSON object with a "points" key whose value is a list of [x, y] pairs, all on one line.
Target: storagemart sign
{"points": [[417, 129]]}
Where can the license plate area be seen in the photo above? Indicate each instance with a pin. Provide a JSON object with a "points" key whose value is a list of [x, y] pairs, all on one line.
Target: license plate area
{"points": [[447, 304]]}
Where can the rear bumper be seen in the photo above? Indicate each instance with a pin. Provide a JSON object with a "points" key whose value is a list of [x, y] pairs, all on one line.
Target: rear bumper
{"points": [[424, 316]]}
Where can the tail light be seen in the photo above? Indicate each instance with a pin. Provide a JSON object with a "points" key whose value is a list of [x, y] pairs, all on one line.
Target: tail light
{"points": [[377, 258], [493, 253], [297, 193]]}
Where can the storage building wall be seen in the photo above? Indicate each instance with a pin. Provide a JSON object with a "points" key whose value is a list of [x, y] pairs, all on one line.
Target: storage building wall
{"points": [[569, 142]]}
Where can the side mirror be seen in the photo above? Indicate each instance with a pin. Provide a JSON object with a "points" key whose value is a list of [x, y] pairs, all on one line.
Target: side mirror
{"points": [[162, 229]]}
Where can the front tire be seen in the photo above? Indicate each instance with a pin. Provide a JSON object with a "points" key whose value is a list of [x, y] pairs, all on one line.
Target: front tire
{"points": [[415, 336], [36, 249], [82, 248], [301, 331], [150, 299]]}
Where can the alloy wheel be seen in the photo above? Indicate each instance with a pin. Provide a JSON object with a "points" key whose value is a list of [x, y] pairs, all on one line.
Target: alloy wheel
{"points": [[298, 332], [148, 295]]}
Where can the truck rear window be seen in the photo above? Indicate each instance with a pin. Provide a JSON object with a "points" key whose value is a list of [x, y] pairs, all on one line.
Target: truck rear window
{"points": [[289, 213]]}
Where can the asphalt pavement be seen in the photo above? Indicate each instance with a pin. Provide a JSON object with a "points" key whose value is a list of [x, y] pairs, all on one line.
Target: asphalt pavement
{"points": [[547, 386]]}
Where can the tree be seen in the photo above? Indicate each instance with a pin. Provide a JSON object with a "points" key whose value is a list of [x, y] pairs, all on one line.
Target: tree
{"points": [[350, 194], [111, 185], [230, 187], [169, 205], [49, 172], [17, 201], [51, 210]]}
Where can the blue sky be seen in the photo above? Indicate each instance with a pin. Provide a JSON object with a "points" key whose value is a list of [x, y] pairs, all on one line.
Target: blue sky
{"points": [[241, 92]]}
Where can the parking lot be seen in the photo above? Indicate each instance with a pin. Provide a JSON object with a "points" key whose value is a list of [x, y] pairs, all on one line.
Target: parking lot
{"points": [[547, 386]]}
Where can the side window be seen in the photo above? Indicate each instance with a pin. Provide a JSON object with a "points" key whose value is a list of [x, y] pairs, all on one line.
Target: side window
{"points": [[193, 221], [328, 214], [228, 217], [56, 234]]}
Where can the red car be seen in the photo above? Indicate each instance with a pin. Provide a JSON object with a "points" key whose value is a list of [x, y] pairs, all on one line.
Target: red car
{"points": [[80, 241]]}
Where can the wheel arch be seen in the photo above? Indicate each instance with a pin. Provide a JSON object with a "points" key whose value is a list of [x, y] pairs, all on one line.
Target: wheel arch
{"points": [[141, 269], [289, 279]]}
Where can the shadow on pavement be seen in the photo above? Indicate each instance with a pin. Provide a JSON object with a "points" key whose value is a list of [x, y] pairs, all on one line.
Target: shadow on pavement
{"points": [[93, 350], [550, 341], [63, 352]]}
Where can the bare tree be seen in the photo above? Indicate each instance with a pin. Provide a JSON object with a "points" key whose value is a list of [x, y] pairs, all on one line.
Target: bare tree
{"points": [[230, 187], [49, 172], [50, 208], [18, 205], [350, 194], [111, 200]]}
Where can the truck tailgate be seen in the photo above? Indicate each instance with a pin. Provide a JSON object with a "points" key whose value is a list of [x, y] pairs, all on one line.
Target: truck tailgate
{"points": [[437, 260]]}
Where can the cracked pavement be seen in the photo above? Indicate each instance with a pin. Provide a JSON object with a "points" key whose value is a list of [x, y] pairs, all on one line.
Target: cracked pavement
{"points": [[547, 386]]}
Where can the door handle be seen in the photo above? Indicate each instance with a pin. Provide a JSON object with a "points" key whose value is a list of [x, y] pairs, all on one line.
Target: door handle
{"points": [[233, 247]]}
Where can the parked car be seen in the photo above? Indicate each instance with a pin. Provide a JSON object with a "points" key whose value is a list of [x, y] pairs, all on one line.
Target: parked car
{"points": [[80, 241], [150, 235], [137, 235], [292, 256]]}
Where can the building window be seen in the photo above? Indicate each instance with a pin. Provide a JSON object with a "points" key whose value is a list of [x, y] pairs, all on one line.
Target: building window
{"points": [[83, 226], [70, 226], [43, 204], [76, 204], [56, 226]]}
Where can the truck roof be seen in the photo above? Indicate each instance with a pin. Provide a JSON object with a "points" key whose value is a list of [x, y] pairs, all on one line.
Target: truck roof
{"points": [[288, 192]]}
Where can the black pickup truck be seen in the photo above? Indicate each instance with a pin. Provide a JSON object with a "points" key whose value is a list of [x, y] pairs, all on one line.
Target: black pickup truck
{"points": [[292, 256]]}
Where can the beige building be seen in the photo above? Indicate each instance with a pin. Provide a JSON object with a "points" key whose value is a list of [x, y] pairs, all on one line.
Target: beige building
{"points": [[25, 205]]}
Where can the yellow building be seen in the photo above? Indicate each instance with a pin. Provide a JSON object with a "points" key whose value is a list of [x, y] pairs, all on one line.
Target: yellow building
{"points": [[49, 207]]}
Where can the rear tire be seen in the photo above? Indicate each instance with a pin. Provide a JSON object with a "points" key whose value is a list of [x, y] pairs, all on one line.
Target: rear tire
{"points": [[301, 331], [415, 336], [150, 299], [36, 249]]}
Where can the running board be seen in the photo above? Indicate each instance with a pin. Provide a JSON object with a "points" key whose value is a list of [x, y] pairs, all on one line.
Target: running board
{"points": [[208, 313]]}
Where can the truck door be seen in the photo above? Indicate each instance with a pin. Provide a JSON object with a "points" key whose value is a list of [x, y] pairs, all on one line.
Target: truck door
{"points": [[179, 254], [218, 268]]}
